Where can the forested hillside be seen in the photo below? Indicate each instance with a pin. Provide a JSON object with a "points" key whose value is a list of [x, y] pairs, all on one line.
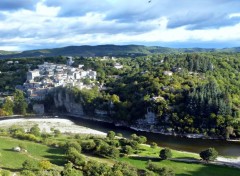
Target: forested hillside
{"points": [[196, 93], [189, 93]]}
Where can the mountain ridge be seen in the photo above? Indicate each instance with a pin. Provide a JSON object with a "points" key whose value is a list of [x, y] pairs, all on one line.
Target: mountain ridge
{"points": [[108, 50]]}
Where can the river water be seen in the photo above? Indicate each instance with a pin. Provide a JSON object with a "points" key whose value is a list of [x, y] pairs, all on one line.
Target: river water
{"points": [[225, 148]]}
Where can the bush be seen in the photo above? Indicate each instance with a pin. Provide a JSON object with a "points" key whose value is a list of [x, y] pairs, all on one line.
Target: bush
{"points": [[75, 157], [127, 149], [27, 173], [209, 154], [45, 165], [35, 130], [5, 173], [70, 171], [88, 146], [165, 153], [119, 135], [162, 171], [75, 145], [125, 169], [153, 145], [111, 135], [30, 165]]}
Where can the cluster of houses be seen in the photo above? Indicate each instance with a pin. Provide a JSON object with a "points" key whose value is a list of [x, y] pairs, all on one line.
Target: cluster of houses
{"points": [[49, 75]]}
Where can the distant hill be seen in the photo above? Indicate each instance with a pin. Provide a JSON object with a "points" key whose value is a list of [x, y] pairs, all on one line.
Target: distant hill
{"points": [[2, 52], [108, 50]]}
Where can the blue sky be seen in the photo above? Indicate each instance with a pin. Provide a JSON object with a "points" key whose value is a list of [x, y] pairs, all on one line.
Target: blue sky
{"points": [[34, 24]]}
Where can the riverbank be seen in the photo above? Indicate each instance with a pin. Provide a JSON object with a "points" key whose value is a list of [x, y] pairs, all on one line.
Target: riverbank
{"points": [[140, 129], [69, 127], [46, 124], [225, 148]]}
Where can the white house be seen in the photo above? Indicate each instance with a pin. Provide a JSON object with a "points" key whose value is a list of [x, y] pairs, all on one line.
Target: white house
{"points": [[118, 66], [168, 73], [32, 74]]}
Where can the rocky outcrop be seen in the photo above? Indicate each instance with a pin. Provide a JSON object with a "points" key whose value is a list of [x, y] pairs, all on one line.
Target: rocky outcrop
{"points": [[66, 101], [38, 108]]}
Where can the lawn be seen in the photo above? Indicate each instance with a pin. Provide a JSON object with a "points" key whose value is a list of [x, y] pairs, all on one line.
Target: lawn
{"points": [[180, 168], [185, 169], [154, 152], [11, 160]]}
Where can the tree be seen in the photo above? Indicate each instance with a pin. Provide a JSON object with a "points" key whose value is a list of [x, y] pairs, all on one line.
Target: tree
{"points": [[128, 149], [153, 144], [165, 153], [228, 131], [70, 171], [162, 171], [20, 104], [111, 135], [74, 156], [30, 165], [8, 107], [45, 165], [35, 130], [209, 155], [57, 133]]}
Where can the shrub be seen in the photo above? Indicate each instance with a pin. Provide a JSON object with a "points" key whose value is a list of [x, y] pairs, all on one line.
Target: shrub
{"points": [[111, 135], [127, 149], [153, 144], [165, 153], [209, 154], [30, 165], [162, 171]]}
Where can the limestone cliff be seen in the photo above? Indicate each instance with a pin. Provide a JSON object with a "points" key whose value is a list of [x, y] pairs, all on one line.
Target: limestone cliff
{"points": [[63, 99]]}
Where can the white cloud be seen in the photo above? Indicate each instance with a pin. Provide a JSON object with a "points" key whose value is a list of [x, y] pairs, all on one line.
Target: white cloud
{"points": [[234, 15], [42, 27]]}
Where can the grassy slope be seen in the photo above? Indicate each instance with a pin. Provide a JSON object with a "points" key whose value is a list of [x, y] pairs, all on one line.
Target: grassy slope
{"points": [[180, 168], [12, 160]]}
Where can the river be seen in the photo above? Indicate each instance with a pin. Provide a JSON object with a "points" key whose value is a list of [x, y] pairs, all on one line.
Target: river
{"points": [[225, 148]]}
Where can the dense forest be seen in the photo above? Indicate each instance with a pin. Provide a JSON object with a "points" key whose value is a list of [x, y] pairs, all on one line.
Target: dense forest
{"points": [[189, 93]]}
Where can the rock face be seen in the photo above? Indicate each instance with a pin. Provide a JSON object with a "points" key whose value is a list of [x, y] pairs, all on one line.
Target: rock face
{"points": [[38, 108], [64, 100]]}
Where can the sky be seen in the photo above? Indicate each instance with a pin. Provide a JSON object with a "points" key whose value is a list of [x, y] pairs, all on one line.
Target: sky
{"points": [[37, 24]]}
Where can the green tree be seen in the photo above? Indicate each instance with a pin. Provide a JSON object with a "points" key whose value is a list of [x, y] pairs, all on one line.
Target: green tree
{"points": [[153, 144], [70, 171], [128, 149], [20, 104], [30, 165], [8, 107], [111, 135], [209, 155], [57, 133], [165, 153], [45, 165], [35, 130]]}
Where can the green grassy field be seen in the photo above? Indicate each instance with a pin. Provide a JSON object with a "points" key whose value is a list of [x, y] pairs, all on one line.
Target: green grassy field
{"points": [[11, 160], [185, 169], [180, 168]]}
